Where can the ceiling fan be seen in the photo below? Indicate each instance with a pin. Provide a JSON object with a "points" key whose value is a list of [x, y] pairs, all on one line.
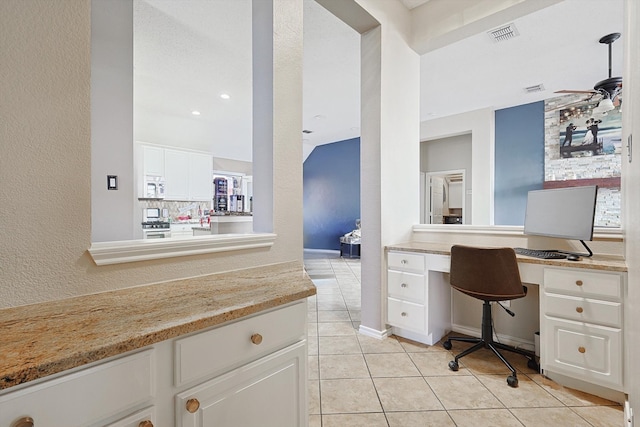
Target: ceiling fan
{"points": [[609, 89]]}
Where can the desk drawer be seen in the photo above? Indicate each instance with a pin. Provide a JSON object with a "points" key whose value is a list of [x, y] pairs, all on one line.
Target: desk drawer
{"points": [[583, 283], [406, 286], [406, 261], [408, 315], [232, 344], [584, 309], [588, 352]]}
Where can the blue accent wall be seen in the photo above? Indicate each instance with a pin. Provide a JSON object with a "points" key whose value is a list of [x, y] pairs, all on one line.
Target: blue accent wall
{"points": [[519, 160], [331, 182]]}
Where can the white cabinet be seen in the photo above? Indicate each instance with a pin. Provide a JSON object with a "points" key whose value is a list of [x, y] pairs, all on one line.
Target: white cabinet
{"points": [[182, 230], [176, 174], [266, 393], [418, 303], [200, 177], [86, 397], [187, 174], [248, 372], [152, 160], [583, 325]]}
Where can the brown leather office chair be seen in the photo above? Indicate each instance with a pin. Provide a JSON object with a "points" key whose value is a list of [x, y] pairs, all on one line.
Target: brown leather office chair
{"points": [[488, 274]]}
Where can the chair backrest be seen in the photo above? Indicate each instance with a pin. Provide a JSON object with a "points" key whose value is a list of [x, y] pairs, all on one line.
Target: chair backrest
{"points": [[486, 273]]}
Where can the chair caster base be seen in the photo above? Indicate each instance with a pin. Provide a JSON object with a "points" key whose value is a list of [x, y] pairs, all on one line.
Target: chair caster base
{"points": [[453, 365], [447, 345], [512, 380]]}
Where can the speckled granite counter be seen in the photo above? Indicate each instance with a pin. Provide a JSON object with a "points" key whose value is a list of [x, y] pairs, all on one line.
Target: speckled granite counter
{"points": [[597, 262], [44, 339]]}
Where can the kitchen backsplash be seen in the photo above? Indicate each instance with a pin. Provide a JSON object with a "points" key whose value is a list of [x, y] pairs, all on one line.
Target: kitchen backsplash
{"points": [[176, 208]]}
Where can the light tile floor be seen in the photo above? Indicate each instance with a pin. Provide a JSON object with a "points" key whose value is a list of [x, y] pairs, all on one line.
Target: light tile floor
{"points": [[355, 380]]}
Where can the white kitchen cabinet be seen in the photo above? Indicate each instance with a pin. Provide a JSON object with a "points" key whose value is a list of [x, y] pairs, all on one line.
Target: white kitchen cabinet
{"points": [[583, 327], [86, 397], [176, 174], [418, 304], [200, 177], [248, 372], [152, 160], [182, 230], [269, 392]]}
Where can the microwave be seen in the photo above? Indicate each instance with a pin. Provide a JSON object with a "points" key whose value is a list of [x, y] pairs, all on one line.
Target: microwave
{"points": [[154, 187], [151, 214]]}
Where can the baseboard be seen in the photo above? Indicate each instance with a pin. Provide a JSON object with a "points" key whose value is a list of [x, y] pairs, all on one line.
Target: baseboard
{"points": [[374, 333], [323, 251], [504, 339]]}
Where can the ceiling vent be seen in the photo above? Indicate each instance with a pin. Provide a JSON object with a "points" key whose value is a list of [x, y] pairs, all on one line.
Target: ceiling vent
{"points": [[533, 89], [503, 33]]}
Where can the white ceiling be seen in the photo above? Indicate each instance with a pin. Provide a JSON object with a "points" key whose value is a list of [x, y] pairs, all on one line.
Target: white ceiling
{"points": [[189, 52]]}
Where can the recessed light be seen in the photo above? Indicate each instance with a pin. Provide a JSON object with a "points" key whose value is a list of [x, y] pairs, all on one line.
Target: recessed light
{"points": [[195, 113], [225, 96]]}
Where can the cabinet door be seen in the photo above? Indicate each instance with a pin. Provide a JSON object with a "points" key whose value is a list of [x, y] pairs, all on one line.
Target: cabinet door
{"points": [[200, 177], [270, 392], [176, 166], [152, 160]]}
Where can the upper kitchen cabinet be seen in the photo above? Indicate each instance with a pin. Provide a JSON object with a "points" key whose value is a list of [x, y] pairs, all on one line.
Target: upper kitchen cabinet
{"points": [[152, 160], [176, 174], [186, 175], [200, 178]]}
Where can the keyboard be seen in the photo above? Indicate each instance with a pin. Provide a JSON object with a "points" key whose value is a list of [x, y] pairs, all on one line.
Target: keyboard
{"points": [[540, 253]]}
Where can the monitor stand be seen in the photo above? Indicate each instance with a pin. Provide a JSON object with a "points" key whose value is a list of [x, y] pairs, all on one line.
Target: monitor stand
{"points": [[587, 255]]}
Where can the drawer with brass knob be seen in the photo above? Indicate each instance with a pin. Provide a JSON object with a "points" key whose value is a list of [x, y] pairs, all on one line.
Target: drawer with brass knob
{"points": [[590, 310], [246, 339]]}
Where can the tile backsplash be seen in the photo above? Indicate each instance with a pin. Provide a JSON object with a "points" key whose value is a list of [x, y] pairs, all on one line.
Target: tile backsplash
{"points": [[176, 208]]}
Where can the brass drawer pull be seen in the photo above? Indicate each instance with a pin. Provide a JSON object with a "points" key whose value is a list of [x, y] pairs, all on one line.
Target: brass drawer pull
{"points": [[256, 339], [582, 349], [145, 423], [193, 405], [403, 285], [23, 422], [579, 309], [404, 261], [579, 282]]}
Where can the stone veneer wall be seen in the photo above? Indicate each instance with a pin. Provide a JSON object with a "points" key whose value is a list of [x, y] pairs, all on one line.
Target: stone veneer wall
{"points": [[588, 167]]}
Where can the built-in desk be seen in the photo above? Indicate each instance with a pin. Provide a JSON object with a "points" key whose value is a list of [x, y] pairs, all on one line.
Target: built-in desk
{"points": [[581, 306]]}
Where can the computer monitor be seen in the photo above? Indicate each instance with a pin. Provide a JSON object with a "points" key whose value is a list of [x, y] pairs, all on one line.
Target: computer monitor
{"points": [[566, 213]]}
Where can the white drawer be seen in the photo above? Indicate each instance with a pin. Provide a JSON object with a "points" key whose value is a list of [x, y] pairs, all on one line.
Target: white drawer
{"points": [[232, 344], [407, 315], [84, 397], [404, 285], [584, 309], [134, 420], [588, 352], [583, 283], [406, 261]]}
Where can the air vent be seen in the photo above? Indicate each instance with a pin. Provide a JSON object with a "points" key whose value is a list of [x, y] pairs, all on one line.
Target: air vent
{"points": [[533, 89], [503, 33], [307, 131]]}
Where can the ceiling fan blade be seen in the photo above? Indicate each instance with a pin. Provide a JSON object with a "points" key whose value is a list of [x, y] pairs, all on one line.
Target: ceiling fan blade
{"points": [[574, 91]]}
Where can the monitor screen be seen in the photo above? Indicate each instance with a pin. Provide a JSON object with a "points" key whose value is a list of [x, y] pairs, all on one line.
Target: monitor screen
{"points": [[561, 212]]}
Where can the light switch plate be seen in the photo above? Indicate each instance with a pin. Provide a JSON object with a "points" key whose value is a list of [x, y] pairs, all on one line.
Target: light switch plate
{"points": [[112, 182]]}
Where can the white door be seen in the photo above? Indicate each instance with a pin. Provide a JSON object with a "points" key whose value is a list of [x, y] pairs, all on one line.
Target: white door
{"points": [[437, 199]]}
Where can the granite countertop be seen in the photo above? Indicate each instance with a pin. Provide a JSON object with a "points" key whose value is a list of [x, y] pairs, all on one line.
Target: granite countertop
{"points": [[597, 262], [44, 339]]}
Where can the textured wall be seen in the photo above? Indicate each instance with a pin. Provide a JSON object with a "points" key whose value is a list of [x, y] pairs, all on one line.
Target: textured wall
{"points": [[331, 193], [46, 157]]}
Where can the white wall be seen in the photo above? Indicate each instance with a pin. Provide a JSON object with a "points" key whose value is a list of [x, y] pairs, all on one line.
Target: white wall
{"points": [[112, 215], [481, 125], [45, 172]]}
